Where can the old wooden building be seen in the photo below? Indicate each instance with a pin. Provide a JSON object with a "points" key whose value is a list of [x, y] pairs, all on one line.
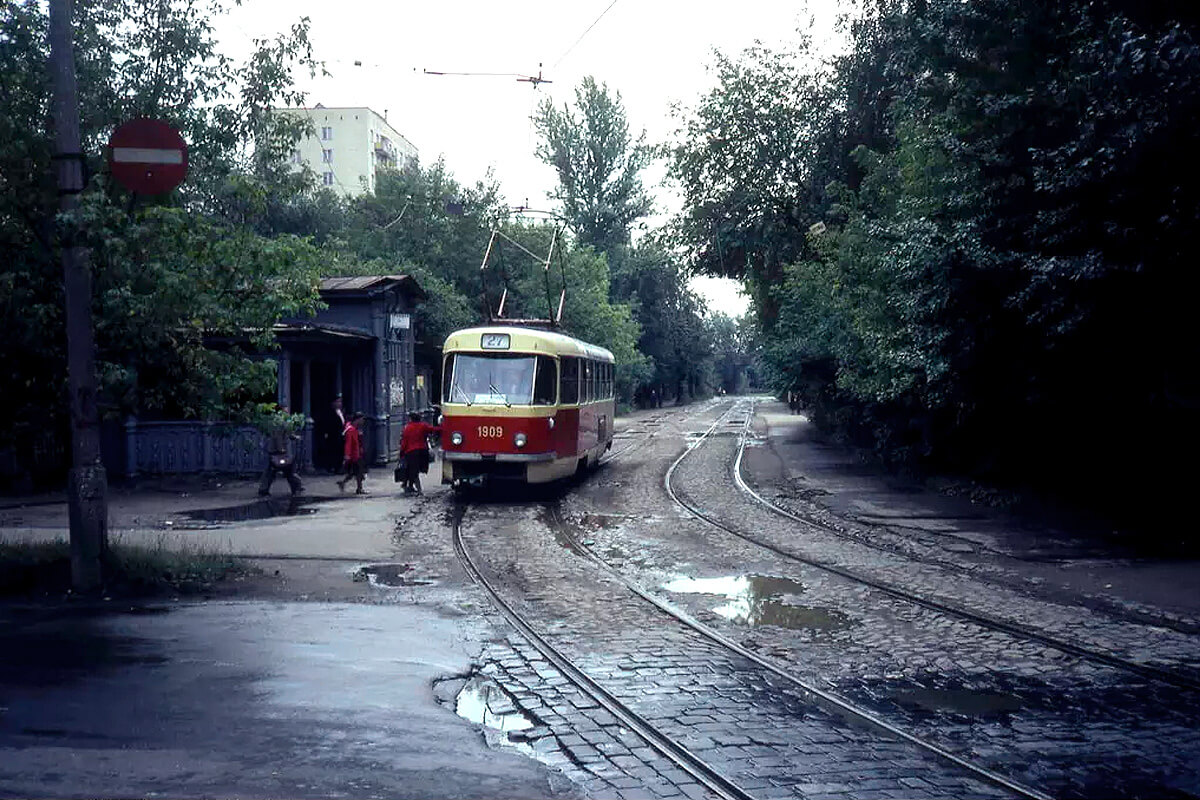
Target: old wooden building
{"points": [[360, 348]]}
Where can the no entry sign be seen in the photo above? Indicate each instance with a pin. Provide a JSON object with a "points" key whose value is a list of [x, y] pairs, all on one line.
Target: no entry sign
{"points": [[147, 156]]}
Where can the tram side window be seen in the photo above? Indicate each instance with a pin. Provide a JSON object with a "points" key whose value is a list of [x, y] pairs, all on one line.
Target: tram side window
{"points": [[546, 383], [570, 381], [589, 373], [608, 381]]}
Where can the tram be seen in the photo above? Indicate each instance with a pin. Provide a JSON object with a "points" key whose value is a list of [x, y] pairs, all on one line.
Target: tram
{"points": [[523, 404]]}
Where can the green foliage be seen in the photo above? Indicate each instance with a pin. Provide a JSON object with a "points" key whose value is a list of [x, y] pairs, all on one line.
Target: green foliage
{"points": [[651, 279], [170, 273], [966, 238], [44, 569], [598, 165], [270, 418], [751, 166]]}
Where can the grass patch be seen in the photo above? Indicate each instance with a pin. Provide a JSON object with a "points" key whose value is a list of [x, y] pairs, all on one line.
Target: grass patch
{"points": [[43, 570]]}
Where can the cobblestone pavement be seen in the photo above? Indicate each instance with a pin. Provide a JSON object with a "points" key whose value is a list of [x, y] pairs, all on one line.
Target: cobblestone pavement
{"points": [[760, 730], [933, 542], [1067, 725], [704, 478]]}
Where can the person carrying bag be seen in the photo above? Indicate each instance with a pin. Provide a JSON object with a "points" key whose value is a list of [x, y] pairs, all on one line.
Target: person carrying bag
{"points": [[414, 451]]}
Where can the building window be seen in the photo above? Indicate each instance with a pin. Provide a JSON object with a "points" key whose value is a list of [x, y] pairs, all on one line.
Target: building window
{"points": [[327, 156], [326, 134], [296, 158], [327, 178]]}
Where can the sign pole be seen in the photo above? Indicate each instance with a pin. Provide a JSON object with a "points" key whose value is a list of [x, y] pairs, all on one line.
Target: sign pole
{"points": [[87, 485]]}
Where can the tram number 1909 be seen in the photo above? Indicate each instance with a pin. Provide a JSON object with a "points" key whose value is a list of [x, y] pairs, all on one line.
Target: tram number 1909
{"points": [[490, 431]]}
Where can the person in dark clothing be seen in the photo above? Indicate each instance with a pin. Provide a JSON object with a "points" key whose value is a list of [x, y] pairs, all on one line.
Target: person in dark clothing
{"points": [[280, 453], [353, 453], [333, 422], [414, 449]]}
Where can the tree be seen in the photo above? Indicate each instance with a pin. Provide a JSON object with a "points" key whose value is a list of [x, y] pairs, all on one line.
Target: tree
{"points": [[651, 279], [169, 271], [598, 165], [967, 229], [752, 161]]}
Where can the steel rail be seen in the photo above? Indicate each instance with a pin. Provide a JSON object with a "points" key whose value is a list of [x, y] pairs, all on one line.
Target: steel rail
{"points": [[1139, 617], [830, 698], [674, 752], [840, 702], [983, 620]]}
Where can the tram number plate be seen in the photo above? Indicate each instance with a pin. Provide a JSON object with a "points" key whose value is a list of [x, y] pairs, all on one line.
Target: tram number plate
{"points": [[490, 431]]}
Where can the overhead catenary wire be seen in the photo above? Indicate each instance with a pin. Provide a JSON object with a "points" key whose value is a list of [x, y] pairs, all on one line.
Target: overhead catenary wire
{"points": [[585, 33]]}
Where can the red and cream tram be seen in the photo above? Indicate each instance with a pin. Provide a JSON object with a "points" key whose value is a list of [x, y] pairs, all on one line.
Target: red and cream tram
{"points": [[523, 404]]}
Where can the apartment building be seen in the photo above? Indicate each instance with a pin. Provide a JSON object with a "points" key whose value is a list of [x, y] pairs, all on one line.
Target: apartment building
{"points": [[349, 146]]}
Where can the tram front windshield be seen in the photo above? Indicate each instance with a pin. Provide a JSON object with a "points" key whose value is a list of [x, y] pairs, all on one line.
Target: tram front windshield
{"points": [[491, 378]]}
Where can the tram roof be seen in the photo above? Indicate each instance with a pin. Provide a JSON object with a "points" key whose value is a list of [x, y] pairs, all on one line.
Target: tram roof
{"points": [[526, 340]]}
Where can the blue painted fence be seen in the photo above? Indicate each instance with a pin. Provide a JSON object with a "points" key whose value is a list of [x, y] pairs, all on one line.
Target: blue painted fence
{"points": [[173, 448]]}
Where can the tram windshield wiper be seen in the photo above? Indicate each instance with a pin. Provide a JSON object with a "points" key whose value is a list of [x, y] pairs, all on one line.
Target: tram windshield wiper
{"points": [[462, 392], [492, 388]]}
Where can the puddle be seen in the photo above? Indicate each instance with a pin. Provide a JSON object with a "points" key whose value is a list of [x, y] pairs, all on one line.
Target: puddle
{"points": [[966, 702], [260, 509], [597, 522], [758, 600], [389, 576], [482, 701]]}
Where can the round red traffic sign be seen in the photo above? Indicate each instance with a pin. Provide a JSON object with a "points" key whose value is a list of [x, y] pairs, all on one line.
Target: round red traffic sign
{"points": [[147, 156]]}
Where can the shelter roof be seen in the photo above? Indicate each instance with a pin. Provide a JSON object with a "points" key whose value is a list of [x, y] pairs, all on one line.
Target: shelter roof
{"points": [[319, 331], [371, 284]]}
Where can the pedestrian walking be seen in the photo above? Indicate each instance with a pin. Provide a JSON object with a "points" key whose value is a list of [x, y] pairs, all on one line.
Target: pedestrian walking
{"points": [[353, 454], [414, 450], [281, 433], [332, 423]]}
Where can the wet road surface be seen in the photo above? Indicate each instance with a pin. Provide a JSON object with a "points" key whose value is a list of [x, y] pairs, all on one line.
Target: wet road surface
{"points": [[424, 691], [247, 700]]}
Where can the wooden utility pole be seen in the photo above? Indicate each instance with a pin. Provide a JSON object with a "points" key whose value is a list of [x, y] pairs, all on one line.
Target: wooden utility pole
{"points": [[87, 485]]}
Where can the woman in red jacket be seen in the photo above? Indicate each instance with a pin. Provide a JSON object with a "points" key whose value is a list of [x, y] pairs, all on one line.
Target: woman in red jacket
{"points": [[414, 449], [353, 453]]}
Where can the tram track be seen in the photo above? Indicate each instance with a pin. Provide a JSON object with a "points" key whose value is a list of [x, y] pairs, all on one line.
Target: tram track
{"points": [[1183, 626], [703, 772], [1094, 655], [921, 739], [840, 703]]}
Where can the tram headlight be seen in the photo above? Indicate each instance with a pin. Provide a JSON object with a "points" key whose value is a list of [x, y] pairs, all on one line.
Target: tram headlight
{"points": [[456, 438], [519, 440], [550, 421], [439, 420]]}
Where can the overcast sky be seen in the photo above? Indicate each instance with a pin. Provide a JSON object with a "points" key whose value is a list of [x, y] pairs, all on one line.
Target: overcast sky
{"points": [[654, 53]]}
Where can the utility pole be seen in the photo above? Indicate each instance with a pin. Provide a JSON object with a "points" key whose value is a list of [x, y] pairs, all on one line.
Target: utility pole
{"points": [[87, 484]]}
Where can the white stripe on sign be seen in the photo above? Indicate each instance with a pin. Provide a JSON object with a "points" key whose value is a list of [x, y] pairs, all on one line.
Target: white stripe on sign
{"points": [[146, 155]]}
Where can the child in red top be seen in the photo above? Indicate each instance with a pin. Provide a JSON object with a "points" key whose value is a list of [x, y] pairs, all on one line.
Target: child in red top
{"points": [[353, 453], [414, 449]]}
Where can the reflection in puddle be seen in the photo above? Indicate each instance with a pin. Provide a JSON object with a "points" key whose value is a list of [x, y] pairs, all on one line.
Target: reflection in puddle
{"points": [[389, 576], [483, 702], [260, 509], [959, 701], [757, 600]]}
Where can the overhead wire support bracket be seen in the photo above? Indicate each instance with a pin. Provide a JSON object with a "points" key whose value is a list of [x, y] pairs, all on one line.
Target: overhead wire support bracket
{"points": [[497, 236]]}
